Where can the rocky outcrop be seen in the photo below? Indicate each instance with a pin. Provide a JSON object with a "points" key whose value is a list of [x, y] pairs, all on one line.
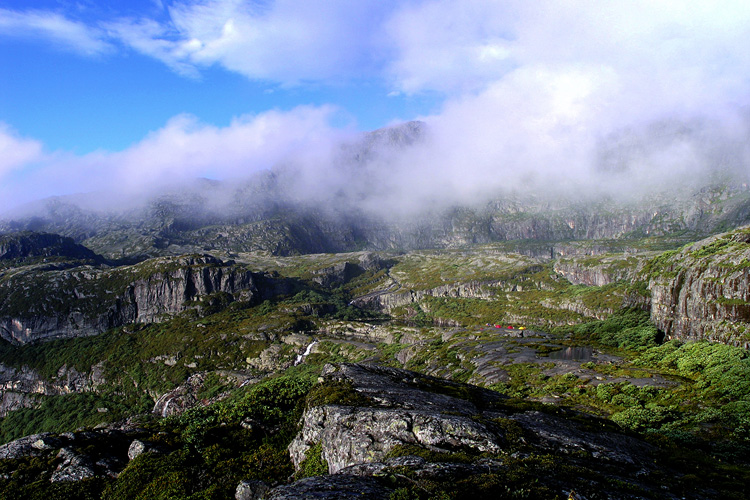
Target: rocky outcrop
{"points": [[188, 394], [74, 467], [703, 290], [28, 446], [337, 274], [339, 487], [181, 398], [21, 387], [394, 296], [600, 271], [400, 413], [251, 490], [390, 410], [138, 448], [355, 435], [402, 408], [88, 301], [74, 456]]}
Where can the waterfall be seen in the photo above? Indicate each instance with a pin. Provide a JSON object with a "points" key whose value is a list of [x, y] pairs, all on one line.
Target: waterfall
{"points": [[301, 357]]}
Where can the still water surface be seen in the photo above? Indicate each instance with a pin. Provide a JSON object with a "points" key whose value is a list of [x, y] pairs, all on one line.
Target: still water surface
{"points": [[573, 353]]}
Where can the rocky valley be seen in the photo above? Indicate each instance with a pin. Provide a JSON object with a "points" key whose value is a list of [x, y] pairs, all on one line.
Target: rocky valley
{"points": [[560, 369], [387, 250]]}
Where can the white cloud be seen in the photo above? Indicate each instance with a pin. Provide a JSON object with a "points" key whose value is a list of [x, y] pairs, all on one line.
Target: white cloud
{"points": [[450, 45], [153, 39], [537, 94], [16, 152], [183, 150], [54, 27], [283, 41], [455, 45], [186, 149]]}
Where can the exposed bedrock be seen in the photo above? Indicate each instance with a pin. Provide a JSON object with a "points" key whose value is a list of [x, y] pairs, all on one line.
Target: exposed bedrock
{"points": [[398, 407], [40, 304]]}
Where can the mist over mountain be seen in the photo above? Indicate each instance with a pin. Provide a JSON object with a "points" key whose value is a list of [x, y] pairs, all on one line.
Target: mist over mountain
{"points": [[388, 189]]}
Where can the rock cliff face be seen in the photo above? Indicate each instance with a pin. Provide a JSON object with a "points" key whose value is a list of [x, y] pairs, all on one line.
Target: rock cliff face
{"points": [[171, 292], [394, 296], [602, 270], [39, 303], [20, 388], [703, 290]]}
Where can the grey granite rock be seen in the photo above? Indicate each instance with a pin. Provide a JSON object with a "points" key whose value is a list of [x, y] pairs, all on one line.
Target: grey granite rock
{"points": [[23, 447], [336, 487], [74, 467], [251, 490], [138, 447]]}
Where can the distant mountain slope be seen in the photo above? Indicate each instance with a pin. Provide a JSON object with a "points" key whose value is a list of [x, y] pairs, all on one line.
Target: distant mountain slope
{"points": [[28, 245], [280, 211]]}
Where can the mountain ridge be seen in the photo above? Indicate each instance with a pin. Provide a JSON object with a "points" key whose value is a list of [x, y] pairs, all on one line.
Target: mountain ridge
{"points": [[272, 212]]}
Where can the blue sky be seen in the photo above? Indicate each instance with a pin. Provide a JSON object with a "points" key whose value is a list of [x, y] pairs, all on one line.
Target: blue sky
{"points": [[111, 96], [103, 95]]}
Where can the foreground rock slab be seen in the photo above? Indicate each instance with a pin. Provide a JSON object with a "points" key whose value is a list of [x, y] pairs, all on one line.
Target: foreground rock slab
{"points": [[367, 421]]}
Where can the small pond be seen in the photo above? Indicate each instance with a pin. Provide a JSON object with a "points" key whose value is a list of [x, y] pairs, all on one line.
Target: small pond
{"points": [[573, 353]]}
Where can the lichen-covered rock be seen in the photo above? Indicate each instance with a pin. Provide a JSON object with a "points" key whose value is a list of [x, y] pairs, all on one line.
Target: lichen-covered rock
{"points": [[74, 467], [396, 388], [388, 407], [406, 409], [354, 435], [23, 447], [422, 469], [46, 443], [137, 448], [251, 490], [271, 359], [337, 487], [559, 435]]}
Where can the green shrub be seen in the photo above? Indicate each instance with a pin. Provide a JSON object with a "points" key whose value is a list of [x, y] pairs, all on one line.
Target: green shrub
{"points": [[626, 329], [66, 413], [644, 418], [313, 464]]}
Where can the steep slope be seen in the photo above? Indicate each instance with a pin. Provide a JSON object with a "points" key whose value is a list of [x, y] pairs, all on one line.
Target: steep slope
{"points": [[703, 289], [41, 302]]}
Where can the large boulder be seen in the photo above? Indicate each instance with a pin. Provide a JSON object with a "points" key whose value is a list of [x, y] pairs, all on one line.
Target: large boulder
{"points": [[387, 407]]}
